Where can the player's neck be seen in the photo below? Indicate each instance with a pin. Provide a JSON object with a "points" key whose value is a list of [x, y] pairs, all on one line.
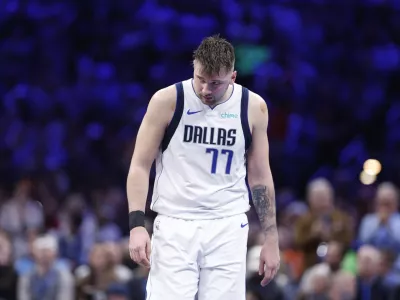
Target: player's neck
{"points": [[225, 97]]}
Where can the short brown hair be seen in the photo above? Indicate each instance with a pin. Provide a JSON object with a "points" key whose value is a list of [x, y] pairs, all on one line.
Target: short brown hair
{"points": [[214, 54]]}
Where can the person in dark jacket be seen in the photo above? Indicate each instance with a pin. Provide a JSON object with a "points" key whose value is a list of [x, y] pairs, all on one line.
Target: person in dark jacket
{"points": [[369, 282]]}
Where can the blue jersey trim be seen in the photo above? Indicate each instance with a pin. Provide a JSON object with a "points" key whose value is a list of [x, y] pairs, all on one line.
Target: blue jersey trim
{"points": [[244, 116], [173, 125]]}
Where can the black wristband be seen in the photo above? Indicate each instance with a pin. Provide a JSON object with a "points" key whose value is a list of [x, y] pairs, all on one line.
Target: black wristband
{"points": [[136, 219]]}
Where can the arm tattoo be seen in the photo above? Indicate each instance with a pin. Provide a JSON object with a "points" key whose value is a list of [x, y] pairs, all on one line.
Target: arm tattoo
{"points": [[264, 205]]}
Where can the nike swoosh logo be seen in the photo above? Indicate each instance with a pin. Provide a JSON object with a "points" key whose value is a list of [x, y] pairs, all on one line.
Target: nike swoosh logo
{"points": [[193, 112], [243, 225]]}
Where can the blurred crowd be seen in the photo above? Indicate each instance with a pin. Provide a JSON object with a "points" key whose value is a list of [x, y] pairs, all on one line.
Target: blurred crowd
{"points": [[75, 79], [327, 252]]}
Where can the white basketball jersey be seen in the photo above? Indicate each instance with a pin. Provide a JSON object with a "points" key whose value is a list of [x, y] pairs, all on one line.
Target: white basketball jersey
{"points": [[201, 168]]}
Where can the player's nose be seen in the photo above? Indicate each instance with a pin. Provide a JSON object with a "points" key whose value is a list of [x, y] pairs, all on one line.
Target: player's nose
{"points": [[205, 90]]}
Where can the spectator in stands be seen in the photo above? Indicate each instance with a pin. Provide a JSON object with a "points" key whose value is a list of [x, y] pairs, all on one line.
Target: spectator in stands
{"points": [[27, 263], [94, 279], [343, 286], [329, 267], [116, 253], [291, 257], [291, 267], [46, 281], [322, 223], [77, 230], [390, 275], [8, 275], [381, 228], [369, 281], [319, 287], [21, 216]]}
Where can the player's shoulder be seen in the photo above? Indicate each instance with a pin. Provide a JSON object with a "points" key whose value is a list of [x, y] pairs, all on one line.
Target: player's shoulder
{"points": [[164, 98], [257, 105]]}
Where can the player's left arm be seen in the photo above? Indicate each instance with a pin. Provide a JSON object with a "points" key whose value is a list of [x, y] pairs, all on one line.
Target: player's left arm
{"points": [[259, 170], [262, 187]]}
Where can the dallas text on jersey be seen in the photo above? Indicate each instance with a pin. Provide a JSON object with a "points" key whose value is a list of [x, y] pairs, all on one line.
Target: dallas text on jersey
{"points": [[209, 136]]}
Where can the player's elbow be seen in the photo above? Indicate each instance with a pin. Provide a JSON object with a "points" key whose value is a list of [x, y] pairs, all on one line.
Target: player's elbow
{"points": [[259, 175], [255, 182], [258, 181]]}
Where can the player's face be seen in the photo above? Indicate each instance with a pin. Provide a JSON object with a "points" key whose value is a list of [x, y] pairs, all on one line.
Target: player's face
{"points": [[211, 88]]}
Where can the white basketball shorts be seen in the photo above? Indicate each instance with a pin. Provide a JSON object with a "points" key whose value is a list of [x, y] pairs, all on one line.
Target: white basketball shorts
{"points": [[206, 258]]}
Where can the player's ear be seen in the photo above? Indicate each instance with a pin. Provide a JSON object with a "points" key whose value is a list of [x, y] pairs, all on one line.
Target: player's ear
{"points": [[233, 77]]}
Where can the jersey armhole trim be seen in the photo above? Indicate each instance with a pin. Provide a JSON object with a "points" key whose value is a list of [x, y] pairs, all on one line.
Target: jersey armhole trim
{"points": [[244, 116], [173, 125]]}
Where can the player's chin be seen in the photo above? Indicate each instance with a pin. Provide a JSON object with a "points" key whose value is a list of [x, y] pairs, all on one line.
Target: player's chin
{"points": [[208, 100]]}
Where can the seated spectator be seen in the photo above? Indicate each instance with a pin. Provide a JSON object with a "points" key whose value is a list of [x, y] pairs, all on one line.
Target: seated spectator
{"points": [[369, 281], [290, 255], [329, 267], [319, 287], [116, 253], [322, 223], [46, 282], [21, 217], [381, 228], [390, 275], [27, 263], [291, 266], [77, 230], [343, 286], [93, 280]]}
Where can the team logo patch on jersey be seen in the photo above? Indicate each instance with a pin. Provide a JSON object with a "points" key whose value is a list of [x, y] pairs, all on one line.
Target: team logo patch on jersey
{"points": [[226, 115]]}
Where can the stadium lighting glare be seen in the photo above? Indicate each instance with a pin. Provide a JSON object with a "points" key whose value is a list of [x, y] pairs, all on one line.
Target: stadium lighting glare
{"points": [[366, 178], [372, 167]]}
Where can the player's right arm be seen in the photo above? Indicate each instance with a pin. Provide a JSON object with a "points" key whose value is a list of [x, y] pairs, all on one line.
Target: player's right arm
{"points": [[151, 132]]}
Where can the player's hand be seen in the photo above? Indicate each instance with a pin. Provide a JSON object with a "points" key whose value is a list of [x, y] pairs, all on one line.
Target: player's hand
{"points": [[139, 246], [269, 260]]}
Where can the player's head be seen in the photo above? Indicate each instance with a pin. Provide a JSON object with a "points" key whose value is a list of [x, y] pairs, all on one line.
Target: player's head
{"points": [[213, 62]]}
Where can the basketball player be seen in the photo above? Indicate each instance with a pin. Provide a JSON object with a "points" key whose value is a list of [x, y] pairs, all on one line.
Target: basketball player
{"points": [[203, 132]]}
